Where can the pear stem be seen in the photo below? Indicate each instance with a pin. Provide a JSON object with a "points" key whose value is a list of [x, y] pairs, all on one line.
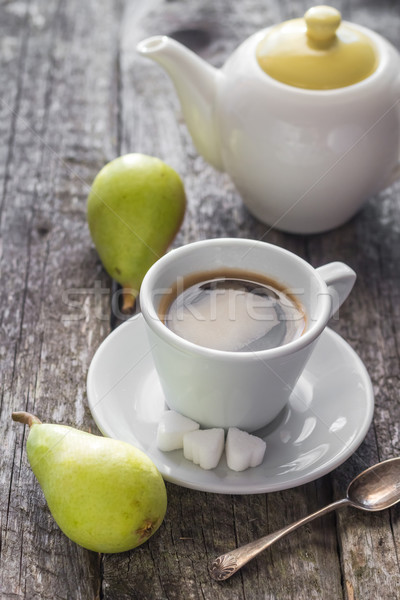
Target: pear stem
{"points": [[128, 301], [25, 418]]}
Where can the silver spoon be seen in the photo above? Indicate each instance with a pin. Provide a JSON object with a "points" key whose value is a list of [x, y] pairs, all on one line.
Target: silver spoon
{"points": [[374, 489]]}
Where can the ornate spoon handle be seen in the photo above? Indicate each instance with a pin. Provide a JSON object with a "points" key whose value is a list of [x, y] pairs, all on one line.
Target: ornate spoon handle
{"points": [[227, 564]]}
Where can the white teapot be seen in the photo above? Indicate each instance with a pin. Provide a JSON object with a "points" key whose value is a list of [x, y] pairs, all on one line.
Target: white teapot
{"points": [[304, 117]]}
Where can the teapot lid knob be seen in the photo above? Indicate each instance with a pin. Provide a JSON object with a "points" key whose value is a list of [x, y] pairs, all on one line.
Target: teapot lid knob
{"points": [[317, 52], [322, 23]]}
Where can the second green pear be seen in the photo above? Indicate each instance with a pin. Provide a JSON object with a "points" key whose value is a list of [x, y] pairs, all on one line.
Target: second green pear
{"points": [[135, 208], [104, 494]]}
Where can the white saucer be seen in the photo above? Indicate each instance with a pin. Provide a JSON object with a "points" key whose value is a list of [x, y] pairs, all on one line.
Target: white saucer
{"points": [[327, 418]]}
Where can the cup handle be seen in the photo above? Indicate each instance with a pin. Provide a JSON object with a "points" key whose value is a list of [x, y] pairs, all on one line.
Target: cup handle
{"points": [[340, 280]]}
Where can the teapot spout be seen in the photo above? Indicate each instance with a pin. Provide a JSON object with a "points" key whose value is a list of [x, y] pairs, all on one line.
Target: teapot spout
{"points": [[196, 84]]}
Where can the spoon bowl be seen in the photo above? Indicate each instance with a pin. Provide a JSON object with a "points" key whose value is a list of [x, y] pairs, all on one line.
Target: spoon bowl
{"points": [[374, 489]]}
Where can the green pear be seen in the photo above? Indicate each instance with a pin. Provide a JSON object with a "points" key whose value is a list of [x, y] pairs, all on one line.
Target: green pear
{"points": [[104, 494], [135, 208]]}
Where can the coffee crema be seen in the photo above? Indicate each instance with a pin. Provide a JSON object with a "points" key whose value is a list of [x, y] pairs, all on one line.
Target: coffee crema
{"points": [[232, 310]]}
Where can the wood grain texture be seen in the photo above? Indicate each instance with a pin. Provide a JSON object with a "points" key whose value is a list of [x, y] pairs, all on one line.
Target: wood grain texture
{"points": [[58, 128], [74, 94]]}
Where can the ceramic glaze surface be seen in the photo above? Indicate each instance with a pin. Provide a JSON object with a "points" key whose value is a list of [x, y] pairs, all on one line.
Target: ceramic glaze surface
{"points": [[327, 417], [303, 160], [220, 388], [317, 52]]}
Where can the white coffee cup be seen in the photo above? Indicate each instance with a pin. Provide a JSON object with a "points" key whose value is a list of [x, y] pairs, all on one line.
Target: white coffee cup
{"points": [[238, 389]]}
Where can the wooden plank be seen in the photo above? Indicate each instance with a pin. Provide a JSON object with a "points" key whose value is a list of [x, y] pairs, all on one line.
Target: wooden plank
{"points": [[370, 322], [74, 95], [56, 119], [308, 563], [200, 526]]}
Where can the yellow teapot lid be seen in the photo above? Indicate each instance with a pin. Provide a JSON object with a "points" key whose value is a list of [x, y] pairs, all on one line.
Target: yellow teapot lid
{"points": [[317, 52]]}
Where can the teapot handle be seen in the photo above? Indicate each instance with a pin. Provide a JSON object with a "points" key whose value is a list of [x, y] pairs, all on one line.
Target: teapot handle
{"points": [[394, 176]]}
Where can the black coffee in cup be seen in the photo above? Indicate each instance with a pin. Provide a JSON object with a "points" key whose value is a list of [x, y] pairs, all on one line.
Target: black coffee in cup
{"points": [[233, 310]]}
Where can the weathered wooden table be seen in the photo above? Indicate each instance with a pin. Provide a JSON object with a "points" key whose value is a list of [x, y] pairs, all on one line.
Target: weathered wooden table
{"points": [[75, 94]]}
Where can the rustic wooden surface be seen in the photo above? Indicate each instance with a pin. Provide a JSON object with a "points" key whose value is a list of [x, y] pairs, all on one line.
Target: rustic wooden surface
{"points": [[75, 94]]}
